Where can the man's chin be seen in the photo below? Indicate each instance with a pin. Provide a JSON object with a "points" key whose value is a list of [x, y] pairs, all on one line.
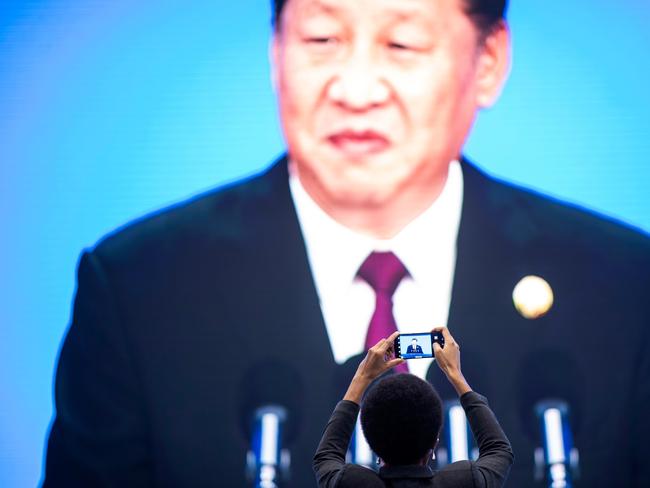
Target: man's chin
{"points": [[359, 196], [345, 183]]}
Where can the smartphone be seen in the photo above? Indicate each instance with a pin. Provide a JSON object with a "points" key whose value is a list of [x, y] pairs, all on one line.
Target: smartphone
{"points": [[418, 345]]}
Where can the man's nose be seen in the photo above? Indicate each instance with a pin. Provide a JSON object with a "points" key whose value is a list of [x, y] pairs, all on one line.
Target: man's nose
{"points": [[359, 84]]}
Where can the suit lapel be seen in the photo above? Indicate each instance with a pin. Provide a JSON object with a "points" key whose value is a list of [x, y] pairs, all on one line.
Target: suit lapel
{"points": [[277, 248], [285, 307], [490, 261]]}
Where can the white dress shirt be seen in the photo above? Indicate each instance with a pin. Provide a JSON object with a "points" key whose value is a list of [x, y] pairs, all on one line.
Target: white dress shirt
{"points": [[426, 246]]}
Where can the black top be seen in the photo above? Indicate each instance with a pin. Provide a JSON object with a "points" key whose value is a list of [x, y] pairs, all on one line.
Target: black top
{"points": [[489, 470]]}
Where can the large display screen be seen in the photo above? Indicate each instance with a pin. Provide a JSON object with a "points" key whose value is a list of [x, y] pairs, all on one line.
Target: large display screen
{"points": [[111, 110]]}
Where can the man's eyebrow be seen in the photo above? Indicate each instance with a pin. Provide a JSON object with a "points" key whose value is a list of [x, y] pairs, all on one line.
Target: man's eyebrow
{"points": [[390, 17], [406, 15], [403, 15], [316, 6]]}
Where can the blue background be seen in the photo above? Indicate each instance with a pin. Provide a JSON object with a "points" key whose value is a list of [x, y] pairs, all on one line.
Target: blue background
{"points": [[111, 109]]}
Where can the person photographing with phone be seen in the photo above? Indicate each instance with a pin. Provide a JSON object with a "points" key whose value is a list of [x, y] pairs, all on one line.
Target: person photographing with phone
{"points": [[401, 417]]}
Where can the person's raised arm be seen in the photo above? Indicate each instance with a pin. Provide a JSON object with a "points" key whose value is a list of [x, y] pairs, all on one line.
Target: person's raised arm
{"points": [[380, 358], [495, 454], [329, 459], [448, 359]]}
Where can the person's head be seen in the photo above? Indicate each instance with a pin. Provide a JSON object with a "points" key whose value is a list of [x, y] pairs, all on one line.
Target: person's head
{"points": [[376, 97], [414, 342], [401, 417], [485, 14]]}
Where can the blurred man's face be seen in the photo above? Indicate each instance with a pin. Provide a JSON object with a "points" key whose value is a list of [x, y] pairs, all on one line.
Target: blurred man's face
{"points": [[376, 96]]}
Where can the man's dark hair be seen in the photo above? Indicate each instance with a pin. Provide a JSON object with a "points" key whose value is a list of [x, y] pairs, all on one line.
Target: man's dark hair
{"points": [[401, 417], [485, 14]]}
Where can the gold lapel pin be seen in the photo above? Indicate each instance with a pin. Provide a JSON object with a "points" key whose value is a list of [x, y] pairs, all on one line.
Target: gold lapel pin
{"points": [[533, 297]]}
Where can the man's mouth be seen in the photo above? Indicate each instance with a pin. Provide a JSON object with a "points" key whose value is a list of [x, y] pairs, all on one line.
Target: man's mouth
{"points": [[359, 143]]}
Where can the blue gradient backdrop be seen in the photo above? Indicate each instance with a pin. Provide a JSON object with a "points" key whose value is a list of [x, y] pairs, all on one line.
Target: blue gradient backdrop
{"points": [[111, 109]]}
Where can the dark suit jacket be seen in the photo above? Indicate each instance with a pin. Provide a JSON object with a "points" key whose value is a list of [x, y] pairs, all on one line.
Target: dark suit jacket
{"points": [[412, 350], [489, 471], [147, 393]]}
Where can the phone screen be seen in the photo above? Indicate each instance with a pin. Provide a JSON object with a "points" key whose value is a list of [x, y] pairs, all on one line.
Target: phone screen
{"points": [[414, 346]]}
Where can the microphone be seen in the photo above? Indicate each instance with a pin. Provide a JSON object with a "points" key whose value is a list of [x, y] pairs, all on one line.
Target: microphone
{"points": [[550, 387], [270, 408], [558, 459], [267, 461]]}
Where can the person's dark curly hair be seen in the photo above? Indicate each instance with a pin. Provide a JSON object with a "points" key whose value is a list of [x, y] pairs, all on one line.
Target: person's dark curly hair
{"points": [[485, 14], [401, 417]]}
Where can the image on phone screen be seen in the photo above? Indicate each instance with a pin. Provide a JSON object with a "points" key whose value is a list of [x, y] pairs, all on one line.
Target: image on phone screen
{"points": [[414, 346]]}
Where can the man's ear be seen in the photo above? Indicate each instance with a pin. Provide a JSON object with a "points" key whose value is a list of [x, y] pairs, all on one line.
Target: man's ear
{"points": [[493, 66]]}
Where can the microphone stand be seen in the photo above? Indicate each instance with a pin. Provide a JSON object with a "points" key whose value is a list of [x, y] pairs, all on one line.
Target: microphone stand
{"points": [[267, 463], [558, 460]]}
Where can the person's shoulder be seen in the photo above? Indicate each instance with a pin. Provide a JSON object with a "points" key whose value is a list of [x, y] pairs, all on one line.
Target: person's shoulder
{"points": [[459, 473], [527, 214], [221, 215], [354, 475]]}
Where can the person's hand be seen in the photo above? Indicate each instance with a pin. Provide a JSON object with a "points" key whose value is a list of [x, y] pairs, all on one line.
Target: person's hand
{"points": [[448, 359], [380, 358]]}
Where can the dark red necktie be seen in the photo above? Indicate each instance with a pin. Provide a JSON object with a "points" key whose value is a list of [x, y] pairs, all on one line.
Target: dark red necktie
{"points": [[383, 271]]}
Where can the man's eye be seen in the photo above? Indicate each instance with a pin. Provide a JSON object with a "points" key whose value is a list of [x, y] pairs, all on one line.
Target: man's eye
{"points": [[398, 46], [321, 40]]}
